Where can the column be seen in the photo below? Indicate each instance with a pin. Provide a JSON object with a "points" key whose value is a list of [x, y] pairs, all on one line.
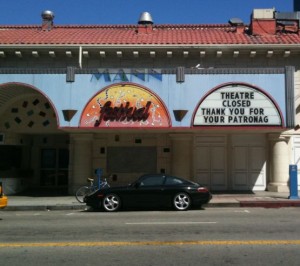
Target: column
{"points": [[279, 164], [181, 153], [81, 160]]}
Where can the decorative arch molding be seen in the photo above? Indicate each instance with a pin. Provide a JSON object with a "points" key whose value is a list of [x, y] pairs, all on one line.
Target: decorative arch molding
{"points": [[25, 108], [297, 102], [237, 104], [297, 122], [125, 105], [297, 108]]}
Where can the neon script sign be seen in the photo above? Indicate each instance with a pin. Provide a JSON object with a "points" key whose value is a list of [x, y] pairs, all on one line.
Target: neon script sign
{"points": [[123, 113], [125, 105]]}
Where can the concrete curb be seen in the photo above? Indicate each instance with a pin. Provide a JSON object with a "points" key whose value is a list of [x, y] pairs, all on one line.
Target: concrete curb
{"points": [[45, 208], [243, 204], [222, 205], [270, 204]]}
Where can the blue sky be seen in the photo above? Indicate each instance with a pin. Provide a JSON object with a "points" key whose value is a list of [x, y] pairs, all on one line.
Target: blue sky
{"points": [[15, 12]]}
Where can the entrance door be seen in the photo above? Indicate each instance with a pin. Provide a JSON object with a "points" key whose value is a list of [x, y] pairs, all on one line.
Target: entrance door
{"points": [[249, 160], [211, 162], [54, 167]]}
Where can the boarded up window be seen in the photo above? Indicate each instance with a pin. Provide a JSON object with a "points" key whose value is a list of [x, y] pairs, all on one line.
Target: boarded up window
{"points": [[131, 159]]}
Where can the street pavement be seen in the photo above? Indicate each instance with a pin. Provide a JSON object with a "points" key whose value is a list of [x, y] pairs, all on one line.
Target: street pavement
{"points": [[263, 199]]}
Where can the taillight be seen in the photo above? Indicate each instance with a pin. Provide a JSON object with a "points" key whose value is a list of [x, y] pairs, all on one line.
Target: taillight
{"points": [[202, 190], [100, 196]]}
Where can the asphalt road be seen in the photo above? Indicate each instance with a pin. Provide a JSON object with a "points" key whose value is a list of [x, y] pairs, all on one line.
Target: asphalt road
{"points": [[215, 236]]}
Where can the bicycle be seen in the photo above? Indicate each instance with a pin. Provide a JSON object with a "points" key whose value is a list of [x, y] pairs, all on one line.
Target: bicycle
{"points": [[86, 190]]}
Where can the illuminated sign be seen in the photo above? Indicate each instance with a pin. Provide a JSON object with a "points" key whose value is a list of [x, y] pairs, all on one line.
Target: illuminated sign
{"points": [[236, 105], [125, 105]]}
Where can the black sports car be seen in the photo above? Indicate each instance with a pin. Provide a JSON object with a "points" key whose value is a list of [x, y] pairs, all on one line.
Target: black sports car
{"points": [[151, 191]]}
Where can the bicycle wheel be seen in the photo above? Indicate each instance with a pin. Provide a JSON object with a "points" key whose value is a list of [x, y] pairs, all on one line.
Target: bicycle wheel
{"points": [[82, 192]]}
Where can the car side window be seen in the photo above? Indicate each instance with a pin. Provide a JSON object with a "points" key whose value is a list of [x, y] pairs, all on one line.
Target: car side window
{"points": [[173, 181], [152, 181]]}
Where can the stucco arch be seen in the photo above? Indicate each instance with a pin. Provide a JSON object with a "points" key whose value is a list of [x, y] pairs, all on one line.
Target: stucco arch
{"points": [[26, 109]]}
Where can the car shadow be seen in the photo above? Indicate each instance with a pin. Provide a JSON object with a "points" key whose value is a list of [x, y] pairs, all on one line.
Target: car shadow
{"points": [[143, 210]]}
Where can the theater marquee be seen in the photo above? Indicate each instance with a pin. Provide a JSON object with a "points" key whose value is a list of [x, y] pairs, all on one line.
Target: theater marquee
{"points": [[125, 105], [237, 105]]}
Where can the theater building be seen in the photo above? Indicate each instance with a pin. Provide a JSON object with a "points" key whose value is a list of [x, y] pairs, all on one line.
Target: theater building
{"points": [[217, 104]]}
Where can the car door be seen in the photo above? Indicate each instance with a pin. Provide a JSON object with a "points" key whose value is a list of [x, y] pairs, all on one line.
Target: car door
{"points": [[149, 191], [172, 186]]}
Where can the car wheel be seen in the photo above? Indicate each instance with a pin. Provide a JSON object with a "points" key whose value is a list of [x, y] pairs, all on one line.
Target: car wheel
{"points": [[111, 203], [182, 201]]}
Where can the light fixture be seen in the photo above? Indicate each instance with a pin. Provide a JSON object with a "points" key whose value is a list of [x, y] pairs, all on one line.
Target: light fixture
{"points": [[68, 114], [179, 114]]}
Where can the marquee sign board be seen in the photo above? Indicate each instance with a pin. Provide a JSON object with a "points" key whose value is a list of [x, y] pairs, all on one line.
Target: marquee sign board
{"points": [[237, 105], [125, 105]]}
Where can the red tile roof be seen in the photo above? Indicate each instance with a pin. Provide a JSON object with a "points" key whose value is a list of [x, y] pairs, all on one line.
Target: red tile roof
{"points": [[219, 34]]}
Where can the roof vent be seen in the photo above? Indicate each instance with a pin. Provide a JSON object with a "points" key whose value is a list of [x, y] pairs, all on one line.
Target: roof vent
{"points": [[145, 18], [238, 24], [236, 21], [47, 22]]}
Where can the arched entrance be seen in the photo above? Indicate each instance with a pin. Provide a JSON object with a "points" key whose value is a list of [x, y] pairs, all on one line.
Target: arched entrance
{"points": [[33, 151]]}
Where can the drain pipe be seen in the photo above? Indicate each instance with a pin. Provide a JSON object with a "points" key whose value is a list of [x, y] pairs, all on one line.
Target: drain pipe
{"points": [[80, 57]]}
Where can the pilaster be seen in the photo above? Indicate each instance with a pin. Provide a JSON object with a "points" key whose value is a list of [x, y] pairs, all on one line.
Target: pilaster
{"points": [[279, 163], [81, 164], [181, 150]]}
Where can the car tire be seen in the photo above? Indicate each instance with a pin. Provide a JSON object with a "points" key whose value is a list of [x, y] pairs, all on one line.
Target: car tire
{"points": [[182, 201], [111, 203]]}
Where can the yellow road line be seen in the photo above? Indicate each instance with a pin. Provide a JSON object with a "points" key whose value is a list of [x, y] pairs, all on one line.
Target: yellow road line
{"points": [[153, 243]]}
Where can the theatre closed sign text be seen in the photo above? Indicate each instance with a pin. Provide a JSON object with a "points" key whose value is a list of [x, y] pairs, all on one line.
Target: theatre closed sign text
{"points": [[236, 105]]}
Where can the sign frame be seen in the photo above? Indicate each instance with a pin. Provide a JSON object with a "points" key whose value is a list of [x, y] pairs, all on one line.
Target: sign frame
{"points": [[237, 108]]}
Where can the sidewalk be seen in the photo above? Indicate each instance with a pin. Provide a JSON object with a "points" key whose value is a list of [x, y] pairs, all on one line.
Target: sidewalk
{"points": [[263, 199]]}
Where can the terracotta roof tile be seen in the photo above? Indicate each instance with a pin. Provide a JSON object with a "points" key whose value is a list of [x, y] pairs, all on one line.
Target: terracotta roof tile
{"points": [[128, 35]]}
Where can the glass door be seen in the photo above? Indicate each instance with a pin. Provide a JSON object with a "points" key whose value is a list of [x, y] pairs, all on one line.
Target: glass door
{"points": [[54, 167]]}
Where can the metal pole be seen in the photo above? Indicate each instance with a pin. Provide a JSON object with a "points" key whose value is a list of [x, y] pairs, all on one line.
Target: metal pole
{"points": [[293, 171]]}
